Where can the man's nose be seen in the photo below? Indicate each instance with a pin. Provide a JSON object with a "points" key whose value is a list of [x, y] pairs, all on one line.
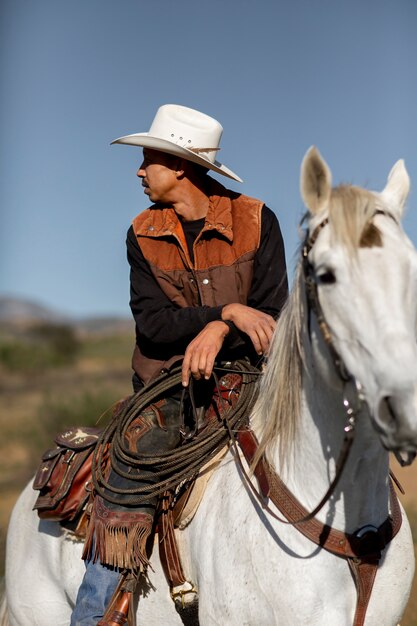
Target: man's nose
{"points": [[141, 171]]}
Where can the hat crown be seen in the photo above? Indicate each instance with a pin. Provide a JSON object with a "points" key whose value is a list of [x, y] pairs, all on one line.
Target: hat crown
{"points": [[186, 133], [187, 128]]}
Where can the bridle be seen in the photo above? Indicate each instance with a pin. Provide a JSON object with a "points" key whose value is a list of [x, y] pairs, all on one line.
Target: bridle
{"points": [[351, 384], [313, 302], [353, 396]]}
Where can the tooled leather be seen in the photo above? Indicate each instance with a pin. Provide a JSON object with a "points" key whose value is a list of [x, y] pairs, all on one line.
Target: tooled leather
{"points": [[225, 396], [333, 540], [364, 573], [363, 555], [66, 490], [138, 428], [342, 544]]}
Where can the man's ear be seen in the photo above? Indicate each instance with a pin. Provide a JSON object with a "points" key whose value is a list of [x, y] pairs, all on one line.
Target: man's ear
{"points": [[180, 167]]}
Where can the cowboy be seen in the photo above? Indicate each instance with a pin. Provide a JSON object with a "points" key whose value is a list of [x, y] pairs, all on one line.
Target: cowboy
{"points": [[208, 281]]}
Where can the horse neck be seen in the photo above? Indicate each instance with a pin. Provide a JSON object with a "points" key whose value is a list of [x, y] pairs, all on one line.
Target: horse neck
{"points": [[362, 494]]}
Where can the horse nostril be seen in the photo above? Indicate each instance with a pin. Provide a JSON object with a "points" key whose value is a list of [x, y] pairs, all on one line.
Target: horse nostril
{"points": [[387, 400], [387, 415]]}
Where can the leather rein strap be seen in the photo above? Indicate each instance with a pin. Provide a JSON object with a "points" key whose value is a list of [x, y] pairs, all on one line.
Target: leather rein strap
{"points": [[362, 549]]}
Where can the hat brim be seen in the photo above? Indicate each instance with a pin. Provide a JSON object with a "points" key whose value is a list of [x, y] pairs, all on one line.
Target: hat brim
{"points": [[144, 140]]}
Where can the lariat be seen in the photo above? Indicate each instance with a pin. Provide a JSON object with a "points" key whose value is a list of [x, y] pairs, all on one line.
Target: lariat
{"points": [[171, 468]]}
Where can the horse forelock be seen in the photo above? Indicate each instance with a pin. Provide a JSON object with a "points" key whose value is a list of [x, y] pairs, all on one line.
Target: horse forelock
{"points": [[351, 210]]}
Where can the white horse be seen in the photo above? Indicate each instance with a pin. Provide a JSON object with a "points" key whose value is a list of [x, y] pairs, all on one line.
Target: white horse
{"points": [[249, 568]]}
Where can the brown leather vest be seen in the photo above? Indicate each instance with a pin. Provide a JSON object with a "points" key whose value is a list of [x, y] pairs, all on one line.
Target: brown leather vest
{"points": [[223, 257]]}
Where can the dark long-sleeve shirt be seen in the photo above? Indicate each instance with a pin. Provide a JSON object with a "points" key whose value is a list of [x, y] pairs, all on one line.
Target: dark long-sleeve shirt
{"points": [[163, 328]]}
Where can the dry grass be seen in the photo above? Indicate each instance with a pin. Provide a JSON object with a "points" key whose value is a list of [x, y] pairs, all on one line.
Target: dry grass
{"points": [[36, 405]]}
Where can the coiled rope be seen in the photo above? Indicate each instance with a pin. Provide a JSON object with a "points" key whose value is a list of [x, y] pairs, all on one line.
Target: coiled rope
{"points": [[174, 467]]}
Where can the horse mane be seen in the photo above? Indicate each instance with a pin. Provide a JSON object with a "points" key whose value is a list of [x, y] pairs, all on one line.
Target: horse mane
{"points": [[277, 409], [279, 401]]}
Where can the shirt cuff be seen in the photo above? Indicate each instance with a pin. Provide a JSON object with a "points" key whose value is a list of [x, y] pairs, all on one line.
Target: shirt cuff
{"points": [[213, 314]]}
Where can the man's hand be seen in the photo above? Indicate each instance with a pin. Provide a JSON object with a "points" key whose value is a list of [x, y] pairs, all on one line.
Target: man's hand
{"points": [[257, 325], [202, 351]]}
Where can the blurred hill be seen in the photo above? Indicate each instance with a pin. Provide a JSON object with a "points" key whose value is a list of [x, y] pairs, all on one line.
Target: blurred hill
{"points": [[18, 310], [19, 314]]}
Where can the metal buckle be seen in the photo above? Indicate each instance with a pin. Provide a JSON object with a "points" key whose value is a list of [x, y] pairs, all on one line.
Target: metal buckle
{"points": [[353, 398], [68, 458]]}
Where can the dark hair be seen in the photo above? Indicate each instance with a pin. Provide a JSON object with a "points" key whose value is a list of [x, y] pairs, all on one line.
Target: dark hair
{"points": [[195, 170]]}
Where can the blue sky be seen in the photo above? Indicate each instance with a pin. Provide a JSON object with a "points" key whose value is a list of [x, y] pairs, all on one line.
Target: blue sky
{"points": [[279, 75]]}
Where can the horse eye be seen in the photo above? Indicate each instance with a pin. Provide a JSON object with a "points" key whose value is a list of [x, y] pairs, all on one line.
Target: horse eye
{"points": [[326, 278]]}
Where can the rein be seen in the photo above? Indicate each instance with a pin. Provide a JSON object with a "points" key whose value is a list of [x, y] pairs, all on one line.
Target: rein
{"points": [[351, 384]]}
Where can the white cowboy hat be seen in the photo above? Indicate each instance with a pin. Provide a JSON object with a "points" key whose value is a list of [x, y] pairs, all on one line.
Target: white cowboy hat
{"points": [[186, 133]]}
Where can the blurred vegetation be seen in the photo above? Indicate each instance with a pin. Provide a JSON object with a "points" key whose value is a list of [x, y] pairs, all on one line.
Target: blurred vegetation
{"points": [[110, 347], [51, 378], [40, 347], [57, 413]]}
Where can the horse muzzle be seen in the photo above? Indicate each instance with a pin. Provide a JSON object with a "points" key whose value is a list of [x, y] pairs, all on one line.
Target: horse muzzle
{"points": [[396, 422]]}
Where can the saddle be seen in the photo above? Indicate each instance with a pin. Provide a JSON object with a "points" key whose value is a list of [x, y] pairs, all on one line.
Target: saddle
{"points": [[64, 479]]}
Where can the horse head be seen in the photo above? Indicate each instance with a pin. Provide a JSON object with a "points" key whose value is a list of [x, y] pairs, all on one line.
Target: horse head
{"points": [[362, 270]]}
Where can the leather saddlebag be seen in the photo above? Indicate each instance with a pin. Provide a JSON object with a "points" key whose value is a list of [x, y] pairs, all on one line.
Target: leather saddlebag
{"points": [[64, 476]]}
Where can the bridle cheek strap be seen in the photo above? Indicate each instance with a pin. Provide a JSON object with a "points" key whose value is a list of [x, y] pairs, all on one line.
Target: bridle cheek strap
{"points": [[313, 302]]}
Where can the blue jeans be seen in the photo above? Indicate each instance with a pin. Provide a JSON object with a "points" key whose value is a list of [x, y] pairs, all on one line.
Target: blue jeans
{"points": [[94, 594]]}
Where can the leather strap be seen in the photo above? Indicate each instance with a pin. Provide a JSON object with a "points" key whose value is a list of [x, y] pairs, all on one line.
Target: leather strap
{"points": [[249, 445], [168, 548], [362, 550], [171, 563], [364, 572], [335, 541]]}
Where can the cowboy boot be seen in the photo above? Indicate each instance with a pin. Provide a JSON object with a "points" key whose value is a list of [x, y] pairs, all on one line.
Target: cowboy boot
{"points": [[117, 612]]}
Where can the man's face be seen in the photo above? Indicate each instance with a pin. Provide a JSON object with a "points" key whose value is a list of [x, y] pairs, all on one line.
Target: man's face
{"points": [[158, 175]]}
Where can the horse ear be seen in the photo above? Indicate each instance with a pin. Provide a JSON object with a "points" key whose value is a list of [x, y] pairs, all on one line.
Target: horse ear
{"points": [[397, 188], [316, 180]]}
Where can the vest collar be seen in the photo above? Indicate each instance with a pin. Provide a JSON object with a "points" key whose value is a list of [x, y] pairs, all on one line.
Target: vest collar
{"points": [[162, 222]]}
